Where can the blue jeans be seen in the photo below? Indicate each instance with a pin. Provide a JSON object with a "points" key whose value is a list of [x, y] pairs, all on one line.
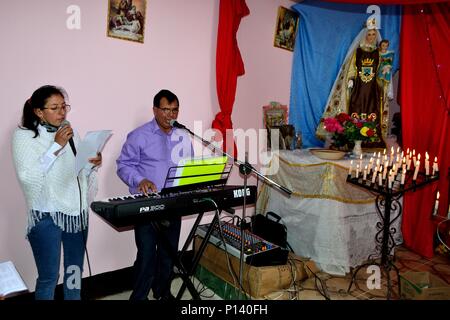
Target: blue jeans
{"points": [[153, 266], [45, 239]]}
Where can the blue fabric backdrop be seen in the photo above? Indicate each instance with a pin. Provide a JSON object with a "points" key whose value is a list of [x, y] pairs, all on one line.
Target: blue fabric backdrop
{"points": [[325, 33]]}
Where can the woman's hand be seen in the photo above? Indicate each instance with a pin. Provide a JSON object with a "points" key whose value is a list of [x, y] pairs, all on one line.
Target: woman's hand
{"points": [[63, 135], [97, 161]]}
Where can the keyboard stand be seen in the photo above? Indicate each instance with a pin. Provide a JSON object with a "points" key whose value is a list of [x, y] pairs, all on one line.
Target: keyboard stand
{"points": [[182, 270]]}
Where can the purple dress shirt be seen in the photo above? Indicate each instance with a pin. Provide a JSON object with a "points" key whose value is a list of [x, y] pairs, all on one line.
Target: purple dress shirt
{"points": [[149, 152]]}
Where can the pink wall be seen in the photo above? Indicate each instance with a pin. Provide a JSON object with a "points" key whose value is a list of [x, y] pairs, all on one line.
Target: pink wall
{"points": [[111, 84]]}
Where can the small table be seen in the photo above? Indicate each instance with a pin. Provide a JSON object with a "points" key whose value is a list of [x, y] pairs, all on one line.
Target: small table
{"points": [[389, 210]]}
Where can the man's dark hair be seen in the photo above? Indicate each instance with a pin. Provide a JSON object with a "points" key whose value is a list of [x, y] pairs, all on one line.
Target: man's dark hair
{"points": [[170, 96]]}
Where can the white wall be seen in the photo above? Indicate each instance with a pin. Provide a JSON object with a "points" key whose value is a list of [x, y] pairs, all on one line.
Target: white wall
{"points": [[111, 84]]}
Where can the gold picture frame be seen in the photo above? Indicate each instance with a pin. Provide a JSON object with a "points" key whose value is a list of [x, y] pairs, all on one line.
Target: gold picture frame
{"points": [[286, 29], [126, 19]]}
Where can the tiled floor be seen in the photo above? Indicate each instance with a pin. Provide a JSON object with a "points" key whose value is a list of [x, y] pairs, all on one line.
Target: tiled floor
{"points": [[326, 286]]}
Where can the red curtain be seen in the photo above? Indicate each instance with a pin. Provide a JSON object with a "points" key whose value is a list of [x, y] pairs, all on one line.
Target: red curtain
{"points": [[229, 64], [425, 89]]}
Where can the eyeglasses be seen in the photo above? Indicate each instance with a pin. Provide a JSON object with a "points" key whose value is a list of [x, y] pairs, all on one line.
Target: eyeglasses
{"points": [[168, 110], [56, 108]]}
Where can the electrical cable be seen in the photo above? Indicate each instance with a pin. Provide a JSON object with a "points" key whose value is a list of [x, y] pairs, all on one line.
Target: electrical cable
{"points": [[438, 235], [222, 237]]}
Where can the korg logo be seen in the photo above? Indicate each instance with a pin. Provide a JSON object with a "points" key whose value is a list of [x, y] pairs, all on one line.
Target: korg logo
{"points": [[239, 193], [157, 207]]}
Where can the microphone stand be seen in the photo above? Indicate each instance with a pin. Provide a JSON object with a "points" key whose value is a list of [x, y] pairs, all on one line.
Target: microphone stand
{"points": [[245, 168]]}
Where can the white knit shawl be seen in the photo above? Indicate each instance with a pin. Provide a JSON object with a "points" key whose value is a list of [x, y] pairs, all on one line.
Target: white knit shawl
{"points": [[58, 186]]}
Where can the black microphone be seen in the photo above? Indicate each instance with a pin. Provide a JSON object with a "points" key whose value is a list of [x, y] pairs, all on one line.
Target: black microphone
{"points": [[72, 144], [175, 124]]}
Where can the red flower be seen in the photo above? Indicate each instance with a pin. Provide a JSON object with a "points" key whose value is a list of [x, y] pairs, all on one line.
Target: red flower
{"points": [[370, 133], [359, 125], [342, 117]]}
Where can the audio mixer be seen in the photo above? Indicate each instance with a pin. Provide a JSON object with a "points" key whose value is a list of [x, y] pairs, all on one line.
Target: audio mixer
{"points": [[257, 251]]}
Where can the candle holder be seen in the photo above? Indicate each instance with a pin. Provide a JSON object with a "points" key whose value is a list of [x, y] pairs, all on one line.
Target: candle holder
{"points": [[389, 209]]}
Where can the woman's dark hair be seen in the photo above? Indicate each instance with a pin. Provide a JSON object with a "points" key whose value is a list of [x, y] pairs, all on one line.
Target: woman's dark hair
{"points": [[38, 100]]}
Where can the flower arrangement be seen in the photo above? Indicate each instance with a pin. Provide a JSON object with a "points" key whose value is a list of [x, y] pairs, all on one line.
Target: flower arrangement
{"points": [[346, 128]]}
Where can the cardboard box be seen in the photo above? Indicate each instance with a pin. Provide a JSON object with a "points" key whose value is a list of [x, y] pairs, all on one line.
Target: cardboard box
{"points": [[423, 286], [257, 281]]}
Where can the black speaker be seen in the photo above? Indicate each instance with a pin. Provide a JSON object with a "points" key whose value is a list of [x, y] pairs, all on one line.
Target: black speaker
{"points": [[270, 228]]}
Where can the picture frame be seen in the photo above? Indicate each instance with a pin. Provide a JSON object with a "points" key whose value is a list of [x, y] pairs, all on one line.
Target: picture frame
{"points": [[126, 19], [286, 28], [275, 115]]}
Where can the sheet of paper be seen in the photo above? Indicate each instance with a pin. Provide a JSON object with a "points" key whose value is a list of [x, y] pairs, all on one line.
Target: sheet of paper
{"points": [[93, 142], [10, 280]]}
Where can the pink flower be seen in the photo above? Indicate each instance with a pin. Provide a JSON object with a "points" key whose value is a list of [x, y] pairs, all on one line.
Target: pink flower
{"points": [[333, 125]]}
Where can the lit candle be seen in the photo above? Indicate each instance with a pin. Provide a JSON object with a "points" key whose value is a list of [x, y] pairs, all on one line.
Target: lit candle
{"points": [[436, 205], [427, 164], [408, 164], [357, 171], [384, 151], [404, 165], [365, 173], [374, 176], [385, 172], [414, 157], [379, 155], [416, 171], [351, 168], [390, 179], [360, 161], [374, 154], [369, 169], [402, 181], [380, 180], [435, 166], [398, 150]]}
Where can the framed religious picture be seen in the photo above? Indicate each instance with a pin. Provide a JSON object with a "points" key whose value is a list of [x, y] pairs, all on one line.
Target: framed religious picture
{"points": [[286, 28], [126, 19], [275, 115]]}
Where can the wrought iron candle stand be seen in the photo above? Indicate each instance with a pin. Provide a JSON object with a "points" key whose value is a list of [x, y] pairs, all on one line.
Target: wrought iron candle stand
{"points": [[387, 203]]}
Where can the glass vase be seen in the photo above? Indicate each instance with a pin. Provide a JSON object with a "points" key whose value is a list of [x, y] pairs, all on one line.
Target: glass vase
{"points": [[357, 149]]}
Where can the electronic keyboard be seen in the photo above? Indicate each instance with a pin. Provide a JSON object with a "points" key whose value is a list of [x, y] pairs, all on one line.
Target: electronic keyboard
{"points": [[125, 211]]}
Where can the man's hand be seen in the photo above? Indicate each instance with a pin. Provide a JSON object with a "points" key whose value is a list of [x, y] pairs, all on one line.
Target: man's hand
{"points": [[146, 185]]}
